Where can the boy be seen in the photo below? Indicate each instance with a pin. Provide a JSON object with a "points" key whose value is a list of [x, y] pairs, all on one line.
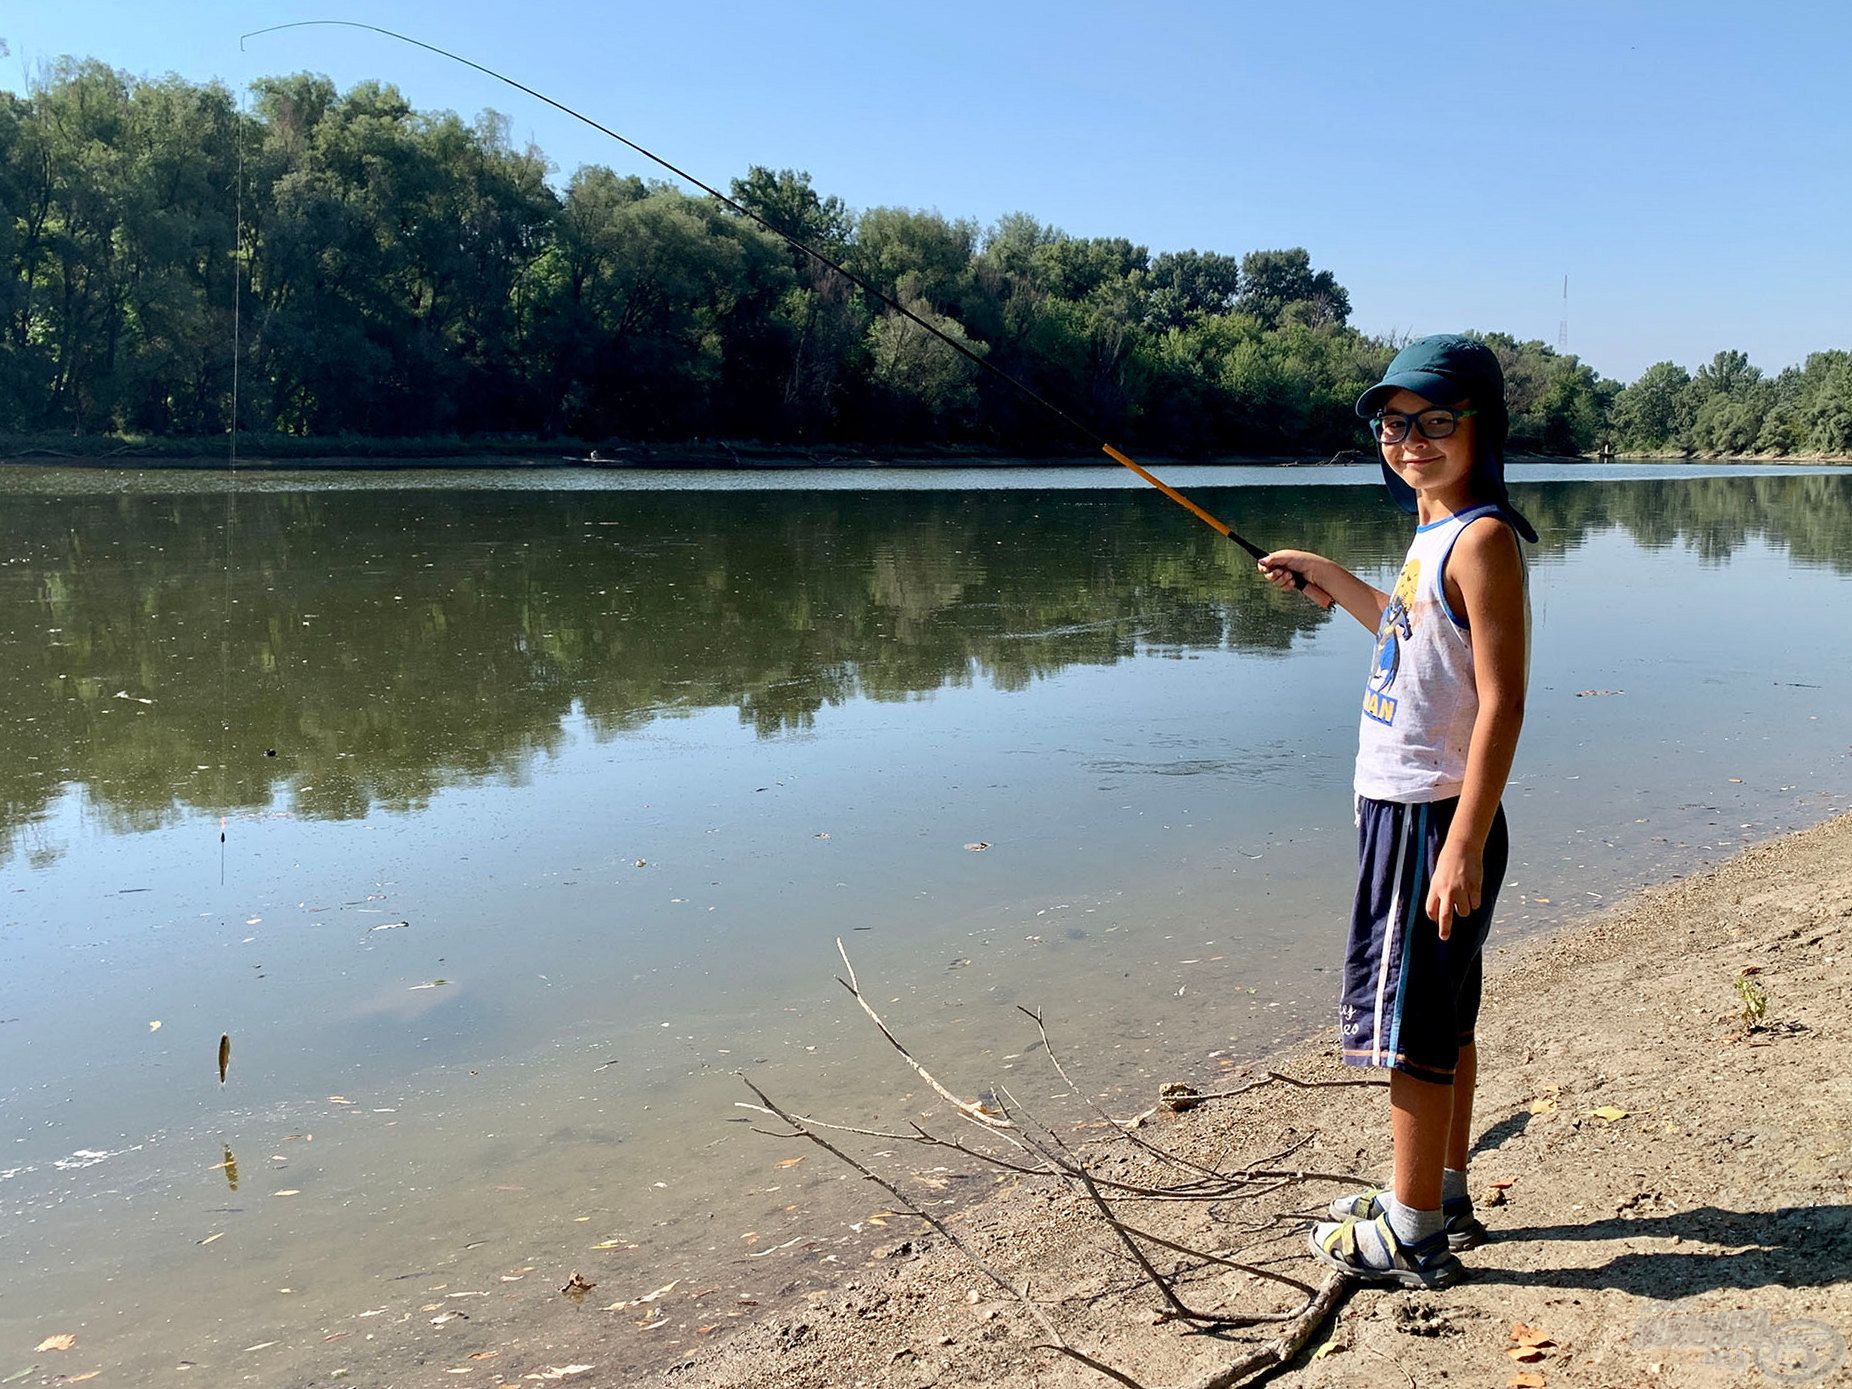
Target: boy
{"points": [[1441, 712]]}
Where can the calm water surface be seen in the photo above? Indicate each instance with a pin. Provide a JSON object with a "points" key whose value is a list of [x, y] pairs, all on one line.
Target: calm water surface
{"points": [[544, 800]]}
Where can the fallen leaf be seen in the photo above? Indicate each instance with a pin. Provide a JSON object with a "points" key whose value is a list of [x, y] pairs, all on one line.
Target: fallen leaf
{"points": [[647, 1297], [217, 1234], [155, 1026], [1608, 1112], [1526, 1379], [791, 1162], [1543, 1106], [483, 1354], [614, 1244], [224, 1055], [1526, 1355], [1530, 1335], [1328, 1348], [288, 1191], [62, 1341], [560, 1372], [577, 1286], [978, 846], [79, 1379]]}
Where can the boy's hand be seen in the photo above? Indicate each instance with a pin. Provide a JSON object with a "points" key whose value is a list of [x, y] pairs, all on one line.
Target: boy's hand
{"points": [[1281, 567], [1459, 874]]}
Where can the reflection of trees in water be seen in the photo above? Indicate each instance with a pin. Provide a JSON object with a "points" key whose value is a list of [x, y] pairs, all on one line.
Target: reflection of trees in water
{"points": [[388, 644], [1806, 514]]}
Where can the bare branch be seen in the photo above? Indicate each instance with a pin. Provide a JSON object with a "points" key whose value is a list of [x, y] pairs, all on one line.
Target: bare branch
{"points": [[1285, 1079], [919, 1135], [1123, 1132], [1227, 1262], [969, 1108], [1056, 1342], [906, 1202], [1288, 1344]]}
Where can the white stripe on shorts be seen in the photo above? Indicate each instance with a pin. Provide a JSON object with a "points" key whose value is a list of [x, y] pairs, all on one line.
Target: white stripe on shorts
{"points": [[1389, 927]]}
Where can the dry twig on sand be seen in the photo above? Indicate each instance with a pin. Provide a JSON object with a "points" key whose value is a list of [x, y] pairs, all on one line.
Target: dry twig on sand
{"points": [[1040, 1151]]}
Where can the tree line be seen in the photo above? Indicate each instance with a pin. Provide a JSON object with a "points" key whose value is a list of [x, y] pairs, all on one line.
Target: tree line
{"points": [[387, 273]]}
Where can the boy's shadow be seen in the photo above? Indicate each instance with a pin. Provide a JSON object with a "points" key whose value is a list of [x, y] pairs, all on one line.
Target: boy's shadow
{"points": [[1502, 1132], [1788, 1247]]}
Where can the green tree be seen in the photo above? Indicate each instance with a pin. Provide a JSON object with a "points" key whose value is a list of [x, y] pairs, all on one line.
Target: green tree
{"points": [[1274, 282], [1728, 373], [1654, 412], [1825, 418], [1186, 285], [921, 254], [789, 205], [928, 381]]}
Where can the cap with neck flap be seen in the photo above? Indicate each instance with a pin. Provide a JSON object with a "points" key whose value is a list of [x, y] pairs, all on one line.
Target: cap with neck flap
{"points": [[1443, 370]]}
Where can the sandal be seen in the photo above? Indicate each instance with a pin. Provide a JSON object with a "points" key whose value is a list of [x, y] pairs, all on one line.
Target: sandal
{"points": [[1410, 1266], [1464, 1230]]}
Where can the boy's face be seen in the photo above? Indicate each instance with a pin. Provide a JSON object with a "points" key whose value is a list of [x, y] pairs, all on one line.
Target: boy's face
{"points": [[1438, 468]]}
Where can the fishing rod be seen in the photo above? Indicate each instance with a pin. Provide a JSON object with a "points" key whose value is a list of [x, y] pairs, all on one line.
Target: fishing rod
{"points": [[1222, 528]]}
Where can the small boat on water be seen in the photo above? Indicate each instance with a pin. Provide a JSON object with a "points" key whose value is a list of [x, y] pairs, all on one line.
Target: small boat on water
{"points": [[599, 459]]}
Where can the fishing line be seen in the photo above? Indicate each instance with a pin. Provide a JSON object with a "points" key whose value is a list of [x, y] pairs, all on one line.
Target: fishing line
{"points": [[1106, 447], [231, 488]]}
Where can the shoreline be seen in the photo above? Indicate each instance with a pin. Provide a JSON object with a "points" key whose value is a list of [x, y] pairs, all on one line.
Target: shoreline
{"points": [[1668, 1246], [393, 455]]}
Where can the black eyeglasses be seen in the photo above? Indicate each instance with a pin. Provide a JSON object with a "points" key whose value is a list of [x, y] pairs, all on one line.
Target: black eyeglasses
{"points": [[1392, 427]]}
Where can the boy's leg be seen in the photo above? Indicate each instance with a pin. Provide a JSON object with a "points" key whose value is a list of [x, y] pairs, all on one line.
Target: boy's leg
{"points": [[1406, 1242], [1421, 1119], [1460, 1129]]}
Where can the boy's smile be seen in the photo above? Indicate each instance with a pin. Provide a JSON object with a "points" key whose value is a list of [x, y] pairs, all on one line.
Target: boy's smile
{"points": [[1440, 470]]}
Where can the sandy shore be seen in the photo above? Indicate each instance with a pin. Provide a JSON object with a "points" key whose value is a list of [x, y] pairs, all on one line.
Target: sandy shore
{"points": [[1673, 1189]]}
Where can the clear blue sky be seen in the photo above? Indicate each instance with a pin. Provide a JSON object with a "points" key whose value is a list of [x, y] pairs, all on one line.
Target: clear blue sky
{"points": [[1688, 165]]}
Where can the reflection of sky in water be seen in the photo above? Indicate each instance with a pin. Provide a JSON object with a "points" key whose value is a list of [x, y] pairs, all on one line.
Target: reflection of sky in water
{"points": [[627, 761]]}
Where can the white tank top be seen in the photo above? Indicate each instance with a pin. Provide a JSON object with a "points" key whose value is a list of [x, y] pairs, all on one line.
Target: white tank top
{"points": [[1420, 700]]}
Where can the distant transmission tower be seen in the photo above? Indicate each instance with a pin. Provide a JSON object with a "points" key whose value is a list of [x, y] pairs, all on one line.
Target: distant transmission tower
{"points": [[1562, 327]]}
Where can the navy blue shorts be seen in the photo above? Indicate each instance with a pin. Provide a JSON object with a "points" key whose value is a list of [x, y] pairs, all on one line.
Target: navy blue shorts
{"points": [[1411, 999]]}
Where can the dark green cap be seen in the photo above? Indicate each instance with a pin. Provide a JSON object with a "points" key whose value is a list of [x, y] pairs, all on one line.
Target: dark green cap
{"points": [[1444, 370]]}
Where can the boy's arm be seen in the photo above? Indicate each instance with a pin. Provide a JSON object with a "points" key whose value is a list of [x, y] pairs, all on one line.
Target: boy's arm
{"points": [[1327, 582], [1489, 574]]}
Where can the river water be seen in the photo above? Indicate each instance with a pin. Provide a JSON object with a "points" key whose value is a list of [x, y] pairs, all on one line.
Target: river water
{"points": [[498, 819]]}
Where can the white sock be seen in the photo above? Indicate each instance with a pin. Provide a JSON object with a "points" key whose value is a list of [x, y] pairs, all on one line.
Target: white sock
{"points": [[1411, 1226], [1453, 1184]]}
